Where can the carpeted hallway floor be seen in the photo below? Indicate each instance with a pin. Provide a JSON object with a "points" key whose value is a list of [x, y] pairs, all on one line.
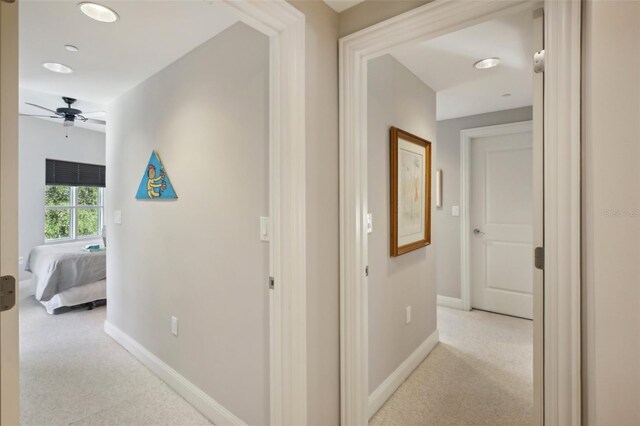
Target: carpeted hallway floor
{"points": [[72, 373], [479, 374]]}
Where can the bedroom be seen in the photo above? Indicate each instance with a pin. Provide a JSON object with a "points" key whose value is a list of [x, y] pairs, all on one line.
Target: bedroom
{"points": [[59, 223]]}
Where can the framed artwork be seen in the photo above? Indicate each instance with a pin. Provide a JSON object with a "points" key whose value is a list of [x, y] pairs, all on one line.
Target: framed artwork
{"points": [[410, 192], [155, 183]]}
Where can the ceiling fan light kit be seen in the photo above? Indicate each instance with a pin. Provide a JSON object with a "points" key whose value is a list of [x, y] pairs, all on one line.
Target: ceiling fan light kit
{"points": [[68, 114]]}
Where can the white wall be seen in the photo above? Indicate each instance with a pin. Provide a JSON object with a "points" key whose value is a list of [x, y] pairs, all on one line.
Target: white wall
{"points": [[199, 257], [39, 140], [323, 252], [448, 159], [396, 97], [611, 212]]}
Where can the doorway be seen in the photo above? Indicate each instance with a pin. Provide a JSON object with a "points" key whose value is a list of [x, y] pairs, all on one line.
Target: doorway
{"points": [[286, 398], [431, 90], [429, 21]]}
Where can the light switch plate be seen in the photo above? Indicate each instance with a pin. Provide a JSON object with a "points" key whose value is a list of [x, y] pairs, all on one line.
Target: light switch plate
{"points": [[369, 223], [265, 224], [455, 211], [174, 326], [117, 217], [407, 315]]}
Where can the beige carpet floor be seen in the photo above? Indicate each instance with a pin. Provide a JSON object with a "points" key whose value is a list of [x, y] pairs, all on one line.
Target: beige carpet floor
{"points": [[72, 373], [479, 374]]}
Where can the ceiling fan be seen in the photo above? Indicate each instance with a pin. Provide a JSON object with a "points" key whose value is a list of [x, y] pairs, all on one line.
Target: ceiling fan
{"points": [[68, 114]]}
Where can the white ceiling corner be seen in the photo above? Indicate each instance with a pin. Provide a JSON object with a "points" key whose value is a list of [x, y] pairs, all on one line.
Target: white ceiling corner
{"points": [[342, 5], [445, 64]]}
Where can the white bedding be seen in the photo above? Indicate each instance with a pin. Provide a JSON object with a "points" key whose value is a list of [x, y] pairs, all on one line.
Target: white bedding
{"points": [[77, 296], [58, 268]]}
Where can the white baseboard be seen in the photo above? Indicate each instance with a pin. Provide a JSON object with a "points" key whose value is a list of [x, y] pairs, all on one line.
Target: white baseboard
{"points": [[395, 379], [209, 407], [450, 302]]}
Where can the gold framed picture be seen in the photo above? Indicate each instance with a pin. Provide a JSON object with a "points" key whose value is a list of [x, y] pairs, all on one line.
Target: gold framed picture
{"points": [[410, 192]]}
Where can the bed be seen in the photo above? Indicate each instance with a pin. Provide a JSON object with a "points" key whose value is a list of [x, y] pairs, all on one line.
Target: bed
{"points": [[66, 274]]}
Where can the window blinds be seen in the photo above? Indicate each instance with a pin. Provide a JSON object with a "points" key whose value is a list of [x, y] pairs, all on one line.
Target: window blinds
{"points": [[69, 173]]}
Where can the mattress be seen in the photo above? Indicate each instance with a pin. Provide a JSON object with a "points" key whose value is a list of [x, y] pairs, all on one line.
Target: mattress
{"points": [[77, 296], [57, 268]]}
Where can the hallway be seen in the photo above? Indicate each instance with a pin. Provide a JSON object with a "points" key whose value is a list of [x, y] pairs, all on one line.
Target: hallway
{"points": [[480, 373], [71, 372]]}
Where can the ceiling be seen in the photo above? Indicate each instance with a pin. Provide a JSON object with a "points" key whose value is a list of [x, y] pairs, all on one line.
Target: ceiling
{"points": [[342, 5], [113, 58], [445, 64]]}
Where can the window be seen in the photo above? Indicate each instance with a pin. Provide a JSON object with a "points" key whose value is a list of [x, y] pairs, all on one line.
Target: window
{"points": [[74, 200], [73, 212]]}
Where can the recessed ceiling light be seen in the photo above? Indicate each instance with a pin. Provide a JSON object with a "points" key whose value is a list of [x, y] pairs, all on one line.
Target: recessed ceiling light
{"points": [[71, 48], [56, 67], [98, 12], [487, 63]]}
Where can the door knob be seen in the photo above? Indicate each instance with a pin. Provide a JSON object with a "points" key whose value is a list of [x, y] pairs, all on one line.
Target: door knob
{"points": [[477, 232]]}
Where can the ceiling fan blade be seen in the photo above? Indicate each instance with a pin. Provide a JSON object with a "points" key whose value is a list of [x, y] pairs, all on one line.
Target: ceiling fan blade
{"points": [[93, 112], [46, 116], [94, 121], [41, 107]]}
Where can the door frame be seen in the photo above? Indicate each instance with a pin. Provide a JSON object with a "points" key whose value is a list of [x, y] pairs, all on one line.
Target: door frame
{"points": [[9, 354], [285, 27], [466, 137], [562, 34]]}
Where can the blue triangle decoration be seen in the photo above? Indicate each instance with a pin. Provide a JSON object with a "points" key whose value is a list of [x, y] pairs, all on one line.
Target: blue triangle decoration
{"points": [[155, 184]]}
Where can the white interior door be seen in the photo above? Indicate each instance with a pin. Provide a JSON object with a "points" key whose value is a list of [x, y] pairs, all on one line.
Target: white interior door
{"points": [[501, 220], [9, 391]]}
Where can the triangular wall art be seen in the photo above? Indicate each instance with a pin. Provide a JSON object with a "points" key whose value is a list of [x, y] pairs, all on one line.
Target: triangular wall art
{"points": [[155, 184]]}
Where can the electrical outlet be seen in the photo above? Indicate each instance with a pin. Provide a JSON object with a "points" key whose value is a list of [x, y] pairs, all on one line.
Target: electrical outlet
{"points": [[174, 326], [407, 315], [455, 211], [20, 260]]}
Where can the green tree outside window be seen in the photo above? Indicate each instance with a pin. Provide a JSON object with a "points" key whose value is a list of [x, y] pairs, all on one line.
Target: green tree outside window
{"points": [[57, 196], [67, 206]]}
